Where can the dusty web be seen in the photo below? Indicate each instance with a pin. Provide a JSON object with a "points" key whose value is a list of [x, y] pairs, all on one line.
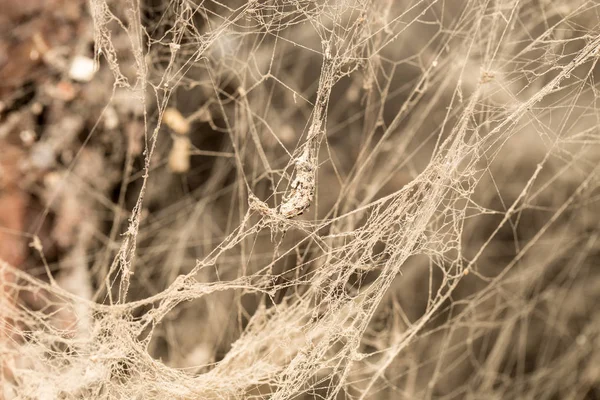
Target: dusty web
{"points": [[331, 199]]}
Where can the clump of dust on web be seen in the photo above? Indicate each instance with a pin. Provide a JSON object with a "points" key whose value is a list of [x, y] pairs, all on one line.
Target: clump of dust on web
{"points": [[400, 201]]}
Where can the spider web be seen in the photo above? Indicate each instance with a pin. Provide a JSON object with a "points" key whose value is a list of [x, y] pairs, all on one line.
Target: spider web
{"points": [[336, 199]]}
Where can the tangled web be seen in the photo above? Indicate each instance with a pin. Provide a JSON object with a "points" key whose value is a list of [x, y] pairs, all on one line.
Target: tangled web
{"points": [[334, 199]]}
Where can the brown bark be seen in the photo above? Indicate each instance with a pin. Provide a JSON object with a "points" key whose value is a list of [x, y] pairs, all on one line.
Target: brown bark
{"points": [[13, 245]]}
